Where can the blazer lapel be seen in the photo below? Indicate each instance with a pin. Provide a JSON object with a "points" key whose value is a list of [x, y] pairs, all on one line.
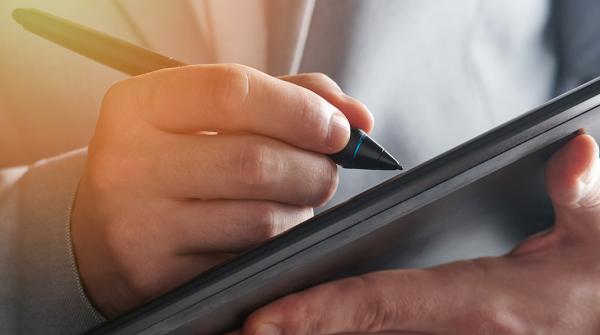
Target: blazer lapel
{"points": [[169, 27], [266, 34], [288, 22], [238, 29]]}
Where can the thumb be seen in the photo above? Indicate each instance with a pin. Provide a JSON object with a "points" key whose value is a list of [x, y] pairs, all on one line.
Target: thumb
{"points": [[398, 301], [573, 183]]}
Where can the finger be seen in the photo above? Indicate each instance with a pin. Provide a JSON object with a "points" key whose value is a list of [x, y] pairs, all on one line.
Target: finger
{"points": [[229, 226], [573, 183], [430, 301], [242, 167], [233, 98], [357, 113]]}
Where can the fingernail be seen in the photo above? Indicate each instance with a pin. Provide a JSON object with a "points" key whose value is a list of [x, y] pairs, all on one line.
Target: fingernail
{"points": [[339, 132], [268, 329]]}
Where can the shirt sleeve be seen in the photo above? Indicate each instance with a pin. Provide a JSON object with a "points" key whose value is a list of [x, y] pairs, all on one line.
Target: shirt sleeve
{"points": [[40, 288]]}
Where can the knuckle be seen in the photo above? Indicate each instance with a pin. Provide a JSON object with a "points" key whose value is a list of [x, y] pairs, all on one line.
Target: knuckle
{"points": [[141, 280], [322, 78], [259, 166], [378, 311], [115, 104], [121, 107], [231, 87], [265, 221], [114, 93]]}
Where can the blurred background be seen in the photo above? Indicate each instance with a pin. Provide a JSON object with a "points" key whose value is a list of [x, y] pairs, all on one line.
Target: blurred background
{"points": [[434, 73]]}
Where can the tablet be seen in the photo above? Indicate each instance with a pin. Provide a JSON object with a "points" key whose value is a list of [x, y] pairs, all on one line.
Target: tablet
{"points": [[494, 179]]}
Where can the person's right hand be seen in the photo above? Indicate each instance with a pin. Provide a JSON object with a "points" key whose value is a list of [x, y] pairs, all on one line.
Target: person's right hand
{"points": [[162, 200]]}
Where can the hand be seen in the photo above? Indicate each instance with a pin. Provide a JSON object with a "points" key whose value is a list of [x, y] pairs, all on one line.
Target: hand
{"points": [[162, 199], [549, 284]]}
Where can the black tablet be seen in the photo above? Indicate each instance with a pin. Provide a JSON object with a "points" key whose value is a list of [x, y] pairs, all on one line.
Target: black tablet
{"points": [[496, 178]]}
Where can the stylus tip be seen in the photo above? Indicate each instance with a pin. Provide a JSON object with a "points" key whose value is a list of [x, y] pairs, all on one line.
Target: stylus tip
{"points": [[387, 162]]}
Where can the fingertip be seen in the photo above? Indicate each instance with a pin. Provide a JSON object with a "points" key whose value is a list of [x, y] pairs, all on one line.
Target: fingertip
{"points": [[357, 113], [569, 168]]}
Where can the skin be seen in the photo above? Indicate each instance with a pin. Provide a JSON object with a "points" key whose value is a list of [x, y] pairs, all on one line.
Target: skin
{"points": [[163, 198], [549, 284]]}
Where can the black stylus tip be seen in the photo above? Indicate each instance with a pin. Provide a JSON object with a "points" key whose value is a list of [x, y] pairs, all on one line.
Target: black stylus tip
{"points": [[362, 152], [387, 162]]}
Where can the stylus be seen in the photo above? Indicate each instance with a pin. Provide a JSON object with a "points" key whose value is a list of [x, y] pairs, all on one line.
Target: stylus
{"points": [[361, 152]]}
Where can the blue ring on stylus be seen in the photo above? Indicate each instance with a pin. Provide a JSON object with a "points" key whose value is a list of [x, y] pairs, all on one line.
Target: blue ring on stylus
{"points": [[360, 141]]}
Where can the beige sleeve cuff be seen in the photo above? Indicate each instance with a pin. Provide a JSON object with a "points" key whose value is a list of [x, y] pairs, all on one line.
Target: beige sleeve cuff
{"points": [[40, 288]]}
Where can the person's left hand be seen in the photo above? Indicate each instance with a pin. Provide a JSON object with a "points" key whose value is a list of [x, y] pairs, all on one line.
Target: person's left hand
{"points": [[550, 284]]}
